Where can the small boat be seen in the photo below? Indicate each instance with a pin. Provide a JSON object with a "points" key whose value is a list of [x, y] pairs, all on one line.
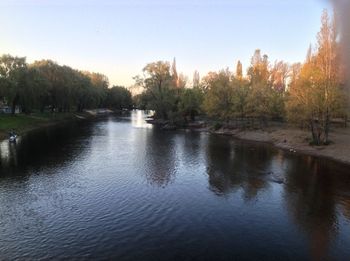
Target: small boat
{"points": [[13, 138]]}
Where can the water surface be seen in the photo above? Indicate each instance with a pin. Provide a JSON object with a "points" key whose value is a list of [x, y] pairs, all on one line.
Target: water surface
{"points": [[119, 189]]}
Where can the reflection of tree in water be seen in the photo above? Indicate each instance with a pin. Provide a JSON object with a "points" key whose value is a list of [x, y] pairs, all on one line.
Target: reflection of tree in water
{"points": [[310, 192], [233, 165], [44, 147], [345, 203], [192, 145], [342, 185], [160, 158], [8, 154]]}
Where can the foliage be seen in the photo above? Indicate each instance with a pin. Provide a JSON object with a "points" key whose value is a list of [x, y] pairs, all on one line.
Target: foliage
{"points": [[118, 97], [316, 95], [162, 87], [309, 94], [12, 78], [219, 97], [46, 85], [190, 103]]}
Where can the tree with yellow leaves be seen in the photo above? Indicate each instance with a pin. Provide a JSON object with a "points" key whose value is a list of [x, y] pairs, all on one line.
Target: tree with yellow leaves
{"points": [[219, 95], [315, 95]]}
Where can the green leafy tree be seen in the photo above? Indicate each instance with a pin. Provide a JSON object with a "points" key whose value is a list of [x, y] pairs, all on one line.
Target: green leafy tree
{"points": [[190, 103], [119, 97], [240, 97], [12, 78], [219, 97], [266, 100], [100, 84], [157, 82], [260, 88]]}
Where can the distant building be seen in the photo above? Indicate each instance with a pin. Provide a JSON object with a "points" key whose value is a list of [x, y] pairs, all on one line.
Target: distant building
{"points": [[7, 109]]}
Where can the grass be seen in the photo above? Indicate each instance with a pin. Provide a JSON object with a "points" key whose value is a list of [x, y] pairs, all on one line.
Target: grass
{"points": [[22, 123]]}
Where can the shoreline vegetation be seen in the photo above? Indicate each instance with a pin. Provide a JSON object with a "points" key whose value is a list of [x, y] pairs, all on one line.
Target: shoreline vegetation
{"points": [[280, 135], [298, 107], [301, 107], [22, 123]]}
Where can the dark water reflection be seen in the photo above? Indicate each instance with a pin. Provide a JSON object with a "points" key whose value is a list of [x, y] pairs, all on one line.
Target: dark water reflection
{"points": [[232, 165], [119, 189]]}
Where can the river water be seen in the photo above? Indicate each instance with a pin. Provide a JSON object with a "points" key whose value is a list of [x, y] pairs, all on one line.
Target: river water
{"points": [[119, 189]]}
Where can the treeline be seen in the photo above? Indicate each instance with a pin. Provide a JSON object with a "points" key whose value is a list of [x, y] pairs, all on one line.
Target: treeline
{"points": [[309, 94], [46, 85]]}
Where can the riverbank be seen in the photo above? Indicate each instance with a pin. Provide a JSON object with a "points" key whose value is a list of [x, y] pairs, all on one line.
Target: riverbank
{"points": [[22, 123], [282, 136], [297, 141]]}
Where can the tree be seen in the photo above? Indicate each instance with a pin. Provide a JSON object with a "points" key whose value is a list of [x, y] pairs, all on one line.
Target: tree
{"points": [[174, 74], [239, 70], [258, 76], [241, 96], [327, 61], [190, 103], [196, 80], [49, 72], [84, 92], [119, 98], [182, 81], [258, 72], [45, 84], [266, 96], [142, 101], [12, 74], [29, 94], [279, 76], [100, 84], [316, 96], [158, 83], [219, 97]]}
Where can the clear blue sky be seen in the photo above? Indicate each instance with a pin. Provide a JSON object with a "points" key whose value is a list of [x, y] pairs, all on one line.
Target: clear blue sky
{"points": [[118, 38]]}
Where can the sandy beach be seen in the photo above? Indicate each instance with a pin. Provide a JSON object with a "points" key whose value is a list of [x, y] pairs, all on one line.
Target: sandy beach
{"points": [[296, 140]]}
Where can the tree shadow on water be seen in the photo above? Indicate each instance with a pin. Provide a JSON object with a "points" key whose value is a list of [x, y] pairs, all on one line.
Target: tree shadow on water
{"points": [[233, 165]]}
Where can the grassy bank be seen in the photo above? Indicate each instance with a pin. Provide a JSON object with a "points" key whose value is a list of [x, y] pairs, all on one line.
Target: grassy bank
{"points": [[22, 123]]}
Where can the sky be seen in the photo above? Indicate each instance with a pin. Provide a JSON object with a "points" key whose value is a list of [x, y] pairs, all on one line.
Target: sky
{"points": [[118, 38]]}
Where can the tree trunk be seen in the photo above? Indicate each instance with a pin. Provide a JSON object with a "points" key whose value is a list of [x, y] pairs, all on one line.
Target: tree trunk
{"points": [[326, 129], [345, 121], [192, 115], [315, 136], [14, 104]]}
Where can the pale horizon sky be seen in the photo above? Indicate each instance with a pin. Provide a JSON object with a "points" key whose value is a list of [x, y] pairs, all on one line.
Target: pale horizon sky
{"points": [[118, 38]]}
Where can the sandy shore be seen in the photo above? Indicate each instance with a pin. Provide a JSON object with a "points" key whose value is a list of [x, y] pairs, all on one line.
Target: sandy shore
{"points": [[287, 138], [297, 140]]}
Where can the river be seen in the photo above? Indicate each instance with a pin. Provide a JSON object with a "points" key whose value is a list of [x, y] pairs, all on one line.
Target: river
{"points": [[118, 188]]}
